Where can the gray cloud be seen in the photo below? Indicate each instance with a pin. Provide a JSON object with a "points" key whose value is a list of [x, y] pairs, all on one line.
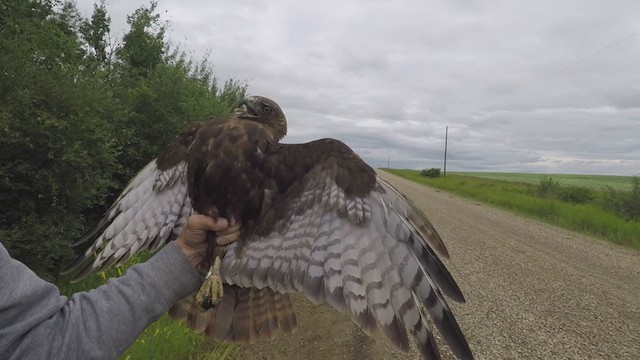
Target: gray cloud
{"points": [[540, 86]]}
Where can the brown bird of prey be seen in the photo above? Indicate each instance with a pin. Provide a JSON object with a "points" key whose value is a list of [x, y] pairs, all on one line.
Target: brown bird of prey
{"points": [[314, 218]]}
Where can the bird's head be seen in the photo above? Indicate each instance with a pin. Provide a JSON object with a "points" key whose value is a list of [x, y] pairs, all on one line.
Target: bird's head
{"points": [[263, 110]]}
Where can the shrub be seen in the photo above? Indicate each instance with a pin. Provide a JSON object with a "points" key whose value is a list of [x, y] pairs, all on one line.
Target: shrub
{"points": [[575, 194], [548, 187], [612, 199], [631, 203], [623, 203], [432, 172]]}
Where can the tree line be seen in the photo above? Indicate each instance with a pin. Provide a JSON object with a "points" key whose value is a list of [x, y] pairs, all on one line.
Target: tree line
{"points": [[81, 112]]}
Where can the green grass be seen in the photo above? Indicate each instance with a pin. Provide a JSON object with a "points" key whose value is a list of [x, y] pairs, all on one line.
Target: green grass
{"points": [[167, 339], [597, 182], [516, 196], [164, 339]]}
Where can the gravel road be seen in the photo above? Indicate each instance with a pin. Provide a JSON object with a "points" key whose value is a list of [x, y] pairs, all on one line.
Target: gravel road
{"points": [[534, 291]]}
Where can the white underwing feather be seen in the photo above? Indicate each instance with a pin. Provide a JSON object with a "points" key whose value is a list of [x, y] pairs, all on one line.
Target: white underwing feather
{"points": [[151, 210]]}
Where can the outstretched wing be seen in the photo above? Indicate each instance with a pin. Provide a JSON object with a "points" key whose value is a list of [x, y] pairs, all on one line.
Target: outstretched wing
{"points": [[340, 234], [151, 210]]}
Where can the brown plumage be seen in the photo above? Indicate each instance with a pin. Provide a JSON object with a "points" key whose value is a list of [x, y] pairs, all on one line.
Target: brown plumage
{"points": [[314, 218]]}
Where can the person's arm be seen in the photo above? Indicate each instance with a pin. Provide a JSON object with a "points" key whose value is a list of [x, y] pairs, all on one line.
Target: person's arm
{"points": [[36, 322]]}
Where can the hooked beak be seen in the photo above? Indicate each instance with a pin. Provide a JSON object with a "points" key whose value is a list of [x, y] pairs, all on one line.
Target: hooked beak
{"points": [[246, 108]]}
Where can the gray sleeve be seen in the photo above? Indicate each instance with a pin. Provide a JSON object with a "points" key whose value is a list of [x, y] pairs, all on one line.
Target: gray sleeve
{"points": [[36, 322]]}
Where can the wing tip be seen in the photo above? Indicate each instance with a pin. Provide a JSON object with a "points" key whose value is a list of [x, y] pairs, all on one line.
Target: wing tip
{"points": [[89, 234], [447, 325], [73, 267], [418, 220]]}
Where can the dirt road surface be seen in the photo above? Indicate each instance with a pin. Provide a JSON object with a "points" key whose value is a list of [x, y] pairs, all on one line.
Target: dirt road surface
{"points": [[533, 291]]}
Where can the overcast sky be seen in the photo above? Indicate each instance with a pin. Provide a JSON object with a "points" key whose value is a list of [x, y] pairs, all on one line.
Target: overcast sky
{"points": [[524, 86]]}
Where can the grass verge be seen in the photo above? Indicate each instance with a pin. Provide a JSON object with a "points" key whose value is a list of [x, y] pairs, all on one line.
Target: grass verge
{"points": [[165, 338], [584, 218], [596, 182]]}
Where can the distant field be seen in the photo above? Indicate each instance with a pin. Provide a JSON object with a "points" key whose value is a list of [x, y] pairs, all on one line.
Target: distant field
{"points": [[520, 195], [596, 182]]}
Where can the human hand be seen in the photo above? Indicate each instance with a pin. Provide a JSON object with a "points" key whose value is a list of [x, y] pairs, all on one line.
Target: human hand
{"points": [[192, 240]]}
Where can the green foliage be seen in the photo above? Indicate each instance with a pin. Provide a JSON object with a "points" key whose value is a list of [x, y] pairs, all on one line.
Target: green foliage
{"points": [[168, 97], [167, 339], [624, 203], [632, 203], [80, 116], [432, 172], [56, 154], [143, 46], [589, 218], [594, 182], [548, 187], [576, 194], [95, 32]]}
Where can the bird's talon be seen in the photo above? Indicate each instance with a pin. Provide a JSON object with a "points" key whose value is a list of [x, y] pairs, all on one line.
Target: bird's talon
{"points": [[211, 291]]}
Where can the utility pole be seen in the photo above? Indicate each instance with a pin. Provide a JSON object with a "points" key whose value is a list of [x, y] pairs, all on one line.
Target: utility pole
{"points": [[446, 138], [388, 160]]}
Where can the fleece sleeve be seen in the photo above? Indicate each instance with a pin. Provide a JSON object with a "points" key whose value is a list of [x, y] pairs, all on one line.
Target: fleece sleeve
{"points": [[36, 322]]}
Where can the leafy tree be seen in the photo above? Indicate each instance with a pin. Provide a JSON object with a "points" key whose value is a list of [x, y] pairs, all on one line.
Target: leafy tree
{"points": [[56, 155], [76, 124], [143, 46], [162, 90], [95, 33]]}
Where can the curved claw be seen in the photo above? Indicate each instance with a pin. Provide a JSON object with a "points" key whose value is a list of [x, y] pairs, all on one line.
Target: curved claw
{"points": [[212, 290]]}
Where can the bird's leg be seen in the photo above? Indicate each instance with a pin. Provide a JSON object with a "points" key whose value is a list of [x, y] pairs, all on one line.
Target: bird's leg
{"points": [[211, 291]]}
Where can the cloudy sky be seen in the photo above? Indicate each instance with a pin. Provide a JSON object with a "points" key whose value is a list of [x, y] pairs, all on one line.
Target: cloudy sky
{"points": [[524, 86]]}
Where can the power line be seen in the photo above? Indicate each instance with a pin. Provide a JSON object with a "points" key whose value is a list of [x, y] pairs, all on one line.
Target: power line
{"points": [[590, 56]]}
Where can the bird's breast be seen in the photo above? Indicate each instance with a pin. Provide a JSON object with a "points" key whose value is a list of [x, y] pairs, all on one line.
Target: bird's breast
{"points": [[226, 173]]}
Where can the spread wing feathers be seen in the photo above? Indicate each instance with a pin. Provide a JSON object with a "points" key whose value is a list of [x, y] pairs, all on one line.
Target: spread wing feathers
{"points": [[152, 209], [370, 256], [243, 315]]}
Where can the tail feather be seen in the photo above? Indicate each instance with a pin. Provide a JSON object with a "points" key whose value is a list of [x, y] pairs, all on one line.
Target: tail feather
{"points": [[244, 315], [286, 318]]}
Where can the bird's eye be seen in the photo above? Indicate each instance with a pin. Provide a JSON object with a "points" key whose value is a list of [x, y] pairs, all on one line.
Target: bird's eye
{"points": [[266, 109]]}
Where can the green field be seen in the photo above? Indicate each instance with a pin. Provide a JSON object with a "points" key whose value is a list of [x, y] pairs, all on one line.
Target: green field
{"points": [[592, 218], [593, 181]]}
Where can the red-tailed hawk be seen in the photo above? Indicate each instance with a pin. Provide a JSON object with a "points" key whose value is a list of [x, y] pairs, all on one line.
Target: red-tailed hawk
{"points": [[314, 219]]}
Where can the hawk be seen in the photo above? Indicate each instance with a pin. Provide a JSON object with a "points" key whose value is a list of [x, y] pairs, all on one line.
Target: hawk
{"points": [[314, 218]]}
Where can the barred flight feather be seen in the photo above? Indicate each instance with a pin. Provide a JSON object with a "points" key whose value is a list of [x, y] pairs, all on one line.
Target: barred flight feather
{"points": [[151, 210], [369, 256]]}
